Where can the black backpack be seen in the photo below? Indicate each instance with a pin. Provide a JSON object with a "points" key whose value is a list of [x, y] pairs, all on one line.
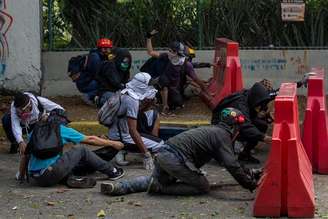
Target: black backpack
{"points": [[45, 141], [77, 64]]}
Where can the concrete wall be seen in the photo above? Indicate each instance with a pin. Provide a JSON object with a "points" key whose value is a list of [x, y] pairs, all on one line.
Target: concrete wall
{"points": [[20, 53], [277, 65]]}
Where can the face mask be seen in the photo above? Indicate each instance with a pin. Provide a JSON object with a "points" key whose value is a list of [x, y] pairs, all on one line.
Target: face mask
{"points": [[176, 60], [124, 66], [25, 115]]}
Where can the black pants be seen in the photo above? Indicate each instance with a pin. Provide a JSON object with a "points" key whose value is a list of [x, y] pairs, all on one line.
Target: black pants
{"points": [[76, 159], [6, 124], [175, 178]]}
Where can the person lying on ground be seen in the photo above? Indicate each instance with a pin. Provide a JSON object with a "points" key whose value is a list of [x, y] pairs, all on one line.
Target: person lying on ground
{"points": [[84, 74], [25, 110], [177, 163], [172, 75], [48, 165], [134, 99]]}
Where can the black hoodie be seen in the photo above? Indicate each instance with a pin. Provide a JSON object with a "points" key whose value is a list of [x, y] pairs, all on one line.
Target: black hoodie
{"points": [[110, 77], [246, 101]]}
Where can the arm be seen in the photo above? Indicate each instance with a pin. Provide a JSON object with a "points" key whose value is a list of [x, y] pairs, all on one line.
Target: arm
{"points": [[96, 141], [150, 49], [191, 73], [226, 155], [23, 166], [132, 123], [15, 125], [49, 105], [164, 94]]}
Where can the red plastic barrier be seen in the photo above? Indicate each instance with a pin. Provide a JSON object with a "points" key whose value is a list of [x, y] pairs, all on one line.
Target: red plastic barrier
{"points": [[315, 126], [286, 187], [226, 79]]}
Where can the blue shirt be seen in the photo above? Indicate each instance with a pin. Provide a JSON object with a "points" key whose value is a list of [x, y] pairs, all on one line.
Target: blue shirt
{"points": [[67, 134]]}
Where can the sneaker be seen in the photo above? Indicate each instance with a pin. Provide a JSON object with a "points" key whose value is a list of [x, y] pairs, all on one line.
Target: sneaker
{"points": [[247, 158], [106, 188], [113, 189], [154, 186], [13, 148], [116, 173], [120, 158], [81, 182]]}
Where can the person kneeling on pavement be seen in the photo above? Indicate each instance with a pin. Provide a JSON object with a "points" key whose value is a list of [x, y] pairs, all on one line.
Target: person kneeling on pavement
{"points": [[177, 163], [25, 111], [130, 102], [47, 164]]}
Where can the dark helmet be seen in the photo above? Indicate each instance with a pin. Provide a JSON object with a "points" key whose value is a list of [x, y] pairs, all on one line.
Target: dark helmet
{"points": [[178, 47], [232, 117]]}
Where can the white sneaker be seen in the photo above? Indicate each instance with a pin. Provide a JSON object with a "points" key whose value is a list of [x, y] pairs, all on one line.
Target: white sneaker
{"points": [[120, 158]]}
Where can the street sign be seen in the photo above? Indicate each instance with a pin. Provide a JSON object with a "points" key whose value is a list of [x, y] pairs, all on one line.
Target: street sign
{"points": [[292, 10]]}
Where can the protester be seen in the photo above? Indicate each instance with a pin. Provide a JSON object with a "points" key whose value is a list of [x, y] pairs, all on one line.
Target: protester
{"points": [[173, 74], [136, 97], [177, 163], [48, 165], [113, 74], [83, 73], [253, 104], [25, 111]]}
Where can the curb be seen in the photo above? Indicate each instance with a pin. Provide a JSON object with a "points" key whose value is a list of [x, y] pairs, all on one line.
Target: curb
{"points": [[94, 128]]}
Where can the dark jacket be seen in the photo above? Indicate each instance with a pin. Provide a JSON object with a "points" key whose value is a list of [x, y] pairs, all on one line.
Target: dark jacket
{"points": [[110, 77], [246, 101], [198, 146], [95, 58]]}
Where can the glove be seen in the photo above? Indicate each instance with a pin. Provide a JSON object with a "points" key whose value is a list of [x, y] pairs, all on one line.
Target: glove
{"points": [[148, 161], [151, 34], [254, 175], [304, 80]]}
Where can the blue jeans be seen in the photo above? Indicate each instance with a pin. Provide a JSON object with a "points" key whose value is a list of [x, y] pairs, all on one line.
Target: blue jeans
{"points": [[91, 89]]}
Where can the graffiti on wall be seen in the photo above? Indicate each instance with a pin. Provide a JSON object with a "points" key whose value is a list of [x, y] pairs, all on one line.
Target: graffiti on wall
{"points": [[5, 23], [297, 63], [263, 64]]}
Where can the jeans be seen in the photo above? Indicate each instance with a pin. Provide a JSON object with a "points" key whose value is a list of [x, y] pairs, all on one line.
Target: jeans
{"points": [[6, 123], [91, 89], [175, 178], [73, 160], [171, 175]]}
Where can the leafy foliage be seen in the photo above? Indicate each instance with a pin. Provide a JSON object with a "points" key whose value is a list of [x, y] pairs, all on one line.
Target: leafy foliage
{"points": [[250, 22]]}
